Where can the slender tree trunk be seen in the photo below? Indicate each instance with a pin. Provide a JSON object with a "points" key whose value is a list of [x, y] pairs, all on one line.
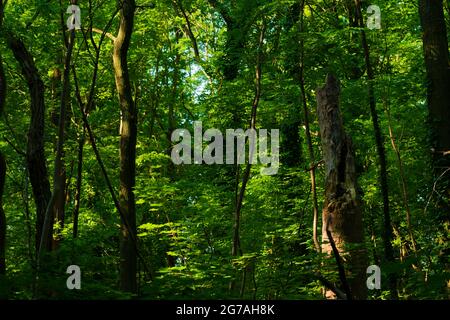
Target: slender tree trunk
{"points": [[128, 136], [59, 178], [27, 217], [172, 123], [76, 210], [2, 163], [379, 141], [403, 183], [2, 167], [55, 210], [237, 29], [35, 155], [84, 109], [308, 133], [341, 215], [2, 215], [172, 103], [236, 249]]}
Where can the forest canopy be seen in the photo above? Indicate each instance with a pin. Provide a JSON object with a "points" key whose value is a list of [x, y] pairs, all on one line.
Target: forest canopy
{"points": [[224, 149]]}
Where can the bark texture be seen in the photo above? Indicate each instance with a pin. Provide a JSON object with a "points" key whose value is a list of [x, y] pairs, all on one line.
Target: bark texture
{"points": [[35, 155], [435, 46], [341, 215], [128, 135]]}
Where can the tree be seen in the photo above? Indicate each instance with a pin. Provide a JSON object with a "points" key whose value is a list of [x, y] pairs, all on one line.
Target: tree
{"points": [[35, 154], [436, 55], [128, 136], [55, 212], [341, 215], [2, 216], [2, 163], [221, 230], [238, 24], [381, 151], [304, 102]]}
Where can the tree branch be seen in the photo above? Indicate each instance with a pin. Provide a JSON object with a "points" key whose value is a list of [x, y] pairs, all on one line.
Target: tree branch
{"points": [[107, 34], [340, 265]]}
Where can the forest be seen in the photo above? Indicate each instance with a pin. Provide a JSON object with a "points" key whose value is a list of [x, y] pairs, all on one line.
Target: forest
{"points": [[224, 149]]}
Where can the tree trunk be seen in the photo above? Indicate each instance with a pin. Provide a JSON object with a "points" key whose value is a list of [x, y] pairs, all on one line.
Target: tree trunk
{"points": [[436, 53], [308, 131], [403, 182], [236, 248], [341, 214], [2, 216], [2, 164], [76, 210], [172, 104], [379, 141], [54, 214], [35, 155], [128, 135], [237, 29]]}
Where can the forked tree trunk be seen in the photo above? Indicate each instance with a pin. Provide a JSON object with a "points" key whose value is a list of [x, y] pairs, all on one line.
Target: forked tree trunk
{"points": [[35, 155], [341, 214], [128, 135]]}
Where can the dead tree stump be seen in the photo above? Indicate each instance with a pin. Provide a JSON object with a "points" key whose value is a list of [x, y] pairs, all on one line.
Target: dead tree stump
{"points": [[341, 213]]}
